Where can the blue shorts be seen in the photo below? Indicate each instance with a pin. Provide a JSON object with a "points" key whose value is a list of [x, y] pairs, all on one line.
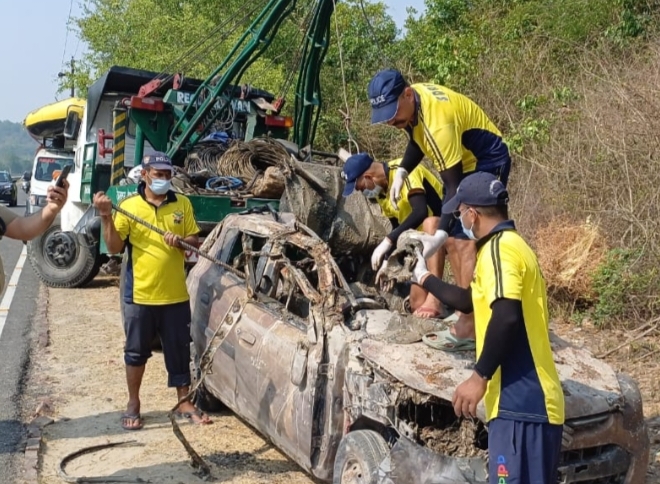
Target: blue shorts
{"points": [[523, 452], [502, 173]]}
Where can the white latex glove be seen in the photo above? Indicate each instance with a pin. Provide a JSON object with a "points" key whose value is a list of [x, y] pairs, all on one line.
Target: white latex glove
{"points": [[431, 243], [379, 253], [395, 192], [420, 269]]}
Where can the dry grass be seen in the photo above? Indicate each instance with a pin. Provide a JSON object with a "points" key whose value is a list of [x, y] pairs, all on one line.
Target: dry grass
{"points": [[569, 255]]}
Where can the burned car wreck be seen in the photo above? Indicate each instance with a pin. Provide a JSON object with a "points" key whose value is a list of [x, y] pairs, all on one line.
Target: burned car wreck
{"points": [[342, 384]]}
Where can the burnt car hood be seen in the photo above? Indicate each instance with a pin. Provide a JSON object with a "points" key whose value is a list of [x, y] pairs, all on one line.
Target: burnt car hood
{"points": [[590, 385]]}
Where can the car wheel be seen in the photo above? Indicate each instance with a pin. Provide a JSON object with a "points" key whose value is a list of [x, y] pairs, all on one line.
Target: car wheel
{"points": [[14, 201], [358, 457], [202, 398]]}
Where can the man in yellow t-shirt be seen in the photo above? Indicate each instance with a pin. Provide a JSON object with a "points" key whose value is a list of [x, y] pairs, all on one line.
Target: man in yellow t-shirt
{"points": [[155, 299], [419, 208], [453, 132], [515, 372]]}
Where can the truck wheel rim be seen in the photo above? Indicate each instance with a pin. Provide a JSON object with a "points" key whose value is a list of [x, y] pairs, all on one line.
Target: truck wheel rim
{"points": [[60, 250]]}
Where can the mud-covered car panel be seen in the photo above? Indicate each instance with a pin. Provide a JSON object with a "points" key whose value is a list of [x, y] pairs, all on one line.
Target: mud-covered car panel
{"points": [[590, 385]]}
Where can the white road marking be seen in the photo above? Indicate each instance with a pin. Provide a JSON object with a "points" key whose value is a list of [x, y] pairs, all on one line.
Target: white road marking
{"points": [[5, 304]]}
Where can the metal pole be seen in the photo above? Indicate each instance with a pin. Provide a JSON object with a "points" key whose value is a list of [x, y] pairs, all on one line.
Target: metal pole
{"points": [[183, 244], [73, 71]]}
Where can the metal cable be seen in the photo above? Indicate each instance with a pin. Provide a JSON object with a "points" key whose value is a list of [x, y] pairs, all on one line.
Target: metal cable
{"points": [[183, 244]]}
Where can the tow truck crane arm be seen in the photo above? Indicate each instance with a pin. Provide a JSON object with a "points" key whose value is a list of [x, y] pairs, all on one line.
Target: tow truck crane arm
{"points": [[210, 99]]}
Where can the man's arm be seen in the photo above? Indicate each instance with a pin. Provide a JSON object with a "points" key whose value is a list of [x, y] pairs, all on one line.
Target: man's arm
{"points": [[449, 294], [113, 240], [27, 228], [419, 213], [411, 157], [451, 178], [505, 321]]}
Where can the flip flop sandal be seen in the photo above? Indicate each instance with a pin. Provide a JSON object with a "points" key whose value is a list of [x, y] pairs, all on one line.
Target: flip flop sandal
{"points": [[445, 341], [189, 416], [132, 418], [452, 318]]}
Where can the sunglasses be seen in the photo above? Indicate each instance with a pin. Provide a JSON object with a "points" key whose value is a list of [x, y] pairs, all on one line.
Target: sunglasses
{"points": [[458, 214]]}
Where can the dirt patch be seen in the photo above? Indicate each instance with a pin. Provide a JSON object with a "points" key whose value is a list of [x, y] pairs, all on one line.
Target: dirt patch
{"points": [[81, 376], [457, 440]]}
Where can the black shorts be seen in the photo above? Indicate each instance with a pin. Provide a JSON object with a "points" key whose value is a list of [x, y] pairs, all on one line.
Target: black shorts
{"points": [[171, 323]]}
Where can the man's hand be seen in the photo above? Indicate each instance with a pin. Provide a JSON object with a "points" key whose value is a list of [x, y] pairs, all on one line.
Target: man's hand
{"points": [[420, 271], [56, 197], [172, 240], [395, 192], [468, 394], [431, 243], [380, 252], [103, 204]]}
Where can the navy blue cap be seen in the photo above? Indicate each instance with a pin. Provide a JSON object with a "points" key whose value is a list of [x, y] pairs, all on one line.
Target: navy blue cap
{"points": [[157, 161], [353, 169], [480, 189], [384, 91]]}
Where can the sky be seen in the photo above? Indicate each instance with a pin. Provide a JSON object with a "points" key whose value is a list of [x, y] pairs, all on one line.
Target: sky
{"points": [[35, 46]]}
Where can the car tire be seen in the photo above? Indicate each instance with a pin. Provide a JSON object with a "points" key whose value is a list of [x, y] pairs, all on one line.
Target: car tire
{"points": [[14, 201], [81, 267], [203, 399], [358, 456]]}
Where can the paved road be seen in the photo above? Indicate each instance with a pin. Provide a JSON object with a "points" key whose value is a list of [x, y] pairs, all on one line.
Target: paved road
{"points": [[14, 350]]}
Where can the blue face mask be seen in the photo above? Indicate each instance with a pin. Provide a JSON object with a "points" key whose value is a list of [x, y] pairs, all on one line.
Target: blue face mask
{"points": [[160, 187], [466, 231]]}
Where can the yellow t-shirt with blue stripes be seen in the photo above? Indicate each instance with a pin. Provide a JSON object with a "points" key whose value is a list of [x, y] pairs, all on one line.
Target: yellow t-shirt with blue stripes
{"points": [[450, 128], [526, 387], [420, 180]]}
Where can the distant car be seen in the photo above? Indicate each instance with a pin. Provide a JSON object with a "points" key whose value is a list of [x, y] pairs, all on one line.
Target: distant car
{"points": [[8, 190]]}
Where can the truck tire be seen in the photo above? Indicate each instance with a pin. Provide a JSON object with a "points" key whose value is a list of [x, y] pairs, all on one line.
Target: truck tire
{"points": [[63, 259], [358, 456]]}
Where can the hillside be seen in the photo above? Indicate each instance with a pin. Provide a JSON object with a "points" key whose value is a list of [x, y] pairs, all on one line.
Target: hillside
{"points": [[16, 148]]}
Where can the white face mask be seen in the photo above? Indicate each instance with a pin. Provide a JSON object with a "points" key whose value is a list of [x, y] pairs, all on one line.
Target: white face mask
{"points": [[374, 192], [160, 187], [467, 231]]}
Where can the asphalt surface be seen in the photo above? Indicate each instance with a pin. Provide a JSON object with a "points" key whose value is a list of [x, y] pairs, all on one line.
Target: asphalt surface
{"points": [[15, 343]]}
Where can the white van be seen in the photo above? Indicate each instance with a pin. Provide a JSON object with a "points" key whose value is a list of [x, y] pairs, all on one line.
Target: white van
{"points": [[46, 162]]}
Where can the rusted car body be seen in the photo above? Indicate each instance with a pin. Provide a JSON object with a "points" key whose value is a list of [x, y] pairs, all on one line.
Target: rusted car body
{"points": [[312, 365]]}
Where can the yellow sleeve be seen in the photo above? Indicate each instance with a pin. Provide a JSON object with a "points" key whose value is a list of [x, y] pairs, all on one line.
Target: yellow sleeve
{"points": [[122, 224], [190, 224], [500, 271]]}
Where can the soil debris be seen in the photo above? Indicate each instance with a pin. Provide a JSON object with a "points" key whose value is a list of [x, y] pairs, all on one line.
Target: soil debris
{"points": [[457, 440]]}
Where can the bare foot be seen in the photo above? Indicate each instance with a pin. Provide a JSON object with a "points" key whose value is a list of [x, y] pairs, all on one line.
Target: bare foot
{"points": [[464, 327], [196, 416], [430, 309]]}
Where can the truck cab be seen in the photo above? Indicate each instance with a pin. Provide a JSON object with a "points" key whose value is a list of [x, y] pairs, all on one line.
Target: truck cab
{"points": [[47, 162]]}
